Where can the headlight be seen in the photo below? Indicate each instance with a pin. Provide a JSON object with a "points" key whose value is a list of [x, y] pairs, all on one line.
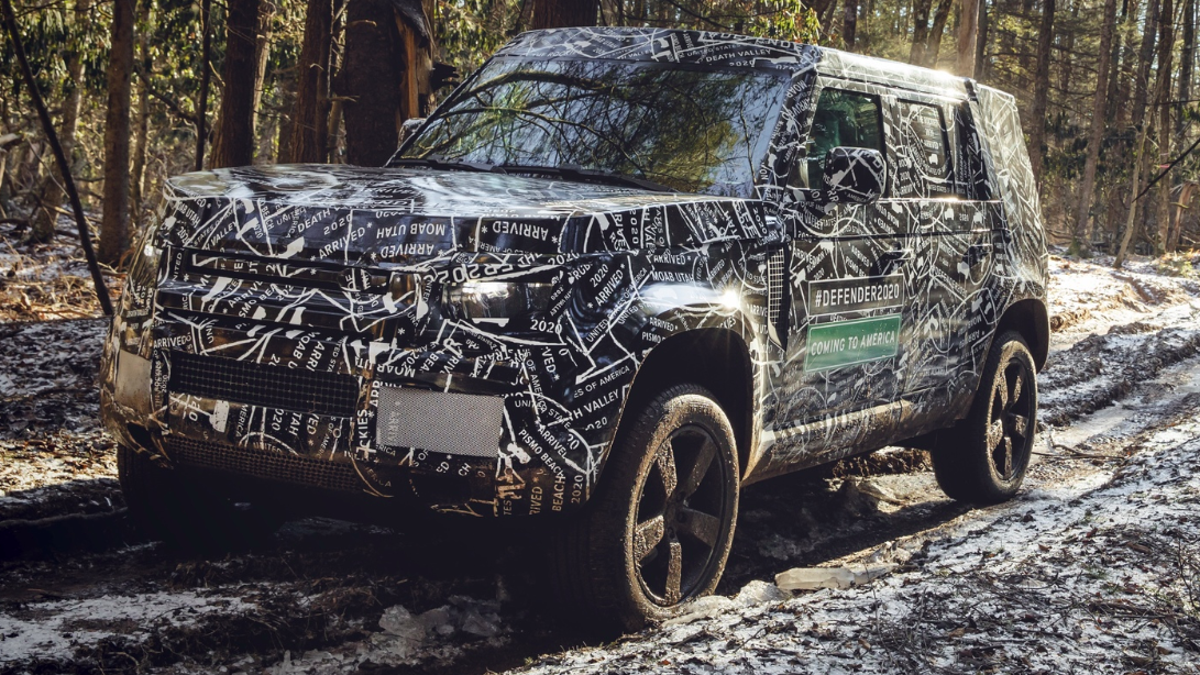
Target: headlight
{"points": [[495, 302]]}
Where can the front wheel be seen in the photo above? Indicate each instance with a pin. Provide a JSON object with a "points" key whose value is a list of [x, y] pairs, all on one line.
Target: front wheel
{"points": [[985, 459], [659, 528]]}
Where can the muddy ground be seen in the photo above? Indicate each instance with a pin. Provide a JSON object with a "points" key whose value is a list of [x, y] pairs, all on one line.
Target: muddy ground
{"points": [[970, 591]]}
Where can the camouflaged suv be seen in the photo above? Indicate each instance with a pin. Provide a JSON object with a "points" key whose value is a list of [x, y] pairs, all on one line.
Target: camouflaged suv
{"points": [[617, 275]]}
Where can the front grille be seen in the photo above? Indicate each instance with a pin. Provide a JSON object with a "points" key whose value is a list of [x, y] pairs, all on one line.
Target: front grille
{"points": [[262, 385], [265, 464]]}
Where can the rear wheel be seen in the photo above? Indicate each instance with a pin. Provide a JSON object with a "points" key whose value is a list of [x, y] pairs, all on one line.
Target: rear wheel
{"points": [[658, 530], [184, 512], [985, 459]]}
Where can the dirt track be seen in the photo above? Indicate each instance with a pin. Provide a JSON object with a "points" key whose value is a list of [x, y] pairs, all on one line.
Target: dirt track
{"points": [[88, 596]]}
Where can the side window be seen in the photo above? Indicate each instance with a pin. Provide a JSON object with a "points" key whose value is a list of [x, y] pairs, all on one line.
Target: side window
{"points": [[924, 167], [842, 118]]}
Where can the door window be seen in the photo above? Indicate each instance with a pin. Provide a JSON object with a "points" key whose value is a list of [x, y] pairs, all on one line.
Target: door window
{"points": [[843, 118]]}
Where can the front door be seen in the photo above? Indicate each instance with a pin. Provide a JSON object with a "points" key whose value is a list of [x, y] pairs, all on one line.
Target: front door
{"points": [[843, 351]]}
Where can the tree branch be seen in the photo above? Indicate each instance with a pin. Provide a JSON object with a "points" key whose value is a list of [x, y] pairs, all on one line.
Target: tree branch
{"points": [[162, 98]]}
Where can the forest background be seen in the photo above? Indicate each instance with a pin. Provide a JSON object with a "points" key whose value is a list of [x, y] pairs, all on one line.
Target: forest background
{"points": [[140, 90]]}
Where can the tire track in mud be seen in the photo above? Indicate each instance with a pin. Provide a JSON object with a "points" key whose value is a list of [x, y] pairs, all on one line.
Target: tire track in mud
{"points": [[1100, 370]]}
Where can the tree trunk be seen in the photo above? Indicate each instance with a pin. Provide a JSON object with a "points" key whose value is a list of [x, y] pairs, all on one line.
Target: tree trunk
{"points": [[53, 192], [1067, 67], [309, 119], [1117, 117], [981, 62], [1083, 228], [1134, 187], [1120, 46], [968, 36], [920, 13], [562, 13], [1187, 65], [234, 144], [1141, 87], [850, 24], [934, 46], [1136, 184], [138, 173], [262, 54], [374, 73], [1166, 50], [1041, 90], [114, 224], [205, 60], [1145, 60]]}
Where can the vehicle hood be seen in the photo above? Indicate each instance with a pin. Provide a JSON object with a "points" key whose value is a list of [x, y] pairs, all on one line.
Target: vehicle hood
{"points": [[354, 215]]}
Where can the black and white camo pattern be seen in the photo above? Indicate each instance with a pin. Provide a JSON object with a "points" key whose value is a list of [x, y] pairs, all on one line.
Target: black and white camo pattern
{"points": [[954, 242]]}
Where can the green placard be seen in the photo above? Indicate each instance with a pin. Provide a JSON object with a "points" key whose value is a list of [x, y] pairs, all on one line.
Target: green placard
{"points": [[845, 343]]}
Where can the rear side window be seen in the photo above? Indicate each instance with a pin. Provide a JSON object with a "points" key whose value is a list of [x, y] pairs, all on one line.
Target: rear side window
{"points": [[924, 166], [842, 119]]}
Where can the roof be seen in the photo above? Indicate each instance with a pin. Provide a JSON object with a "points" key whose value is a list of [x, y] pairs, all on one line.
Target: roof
{"points": [[724, 50]]}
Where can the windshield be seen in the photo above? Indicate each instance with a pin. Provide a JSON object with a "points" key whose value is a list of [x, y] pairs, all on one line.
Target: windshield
{"points": [[690, 130]]}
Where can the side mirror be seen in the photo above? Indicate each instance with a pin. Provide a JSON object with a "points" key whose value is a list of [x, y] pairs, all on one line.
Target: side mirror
{"points": [[853, 175]]}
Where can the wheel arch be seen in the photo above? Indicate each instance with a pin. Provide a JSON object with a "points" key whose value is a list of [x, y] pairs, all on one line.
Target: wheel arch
{"points": [[717, 359], [1031, 319]]}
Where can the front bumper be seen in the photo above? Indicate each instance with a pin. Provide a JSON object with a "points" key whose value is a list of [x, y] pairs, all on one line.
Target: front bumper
{"points": [[474, 435]]}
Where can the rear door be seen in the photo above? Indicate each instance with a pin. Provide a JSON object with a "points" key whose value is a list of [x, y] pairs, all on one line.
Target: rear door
{"points": [[949, 224]]}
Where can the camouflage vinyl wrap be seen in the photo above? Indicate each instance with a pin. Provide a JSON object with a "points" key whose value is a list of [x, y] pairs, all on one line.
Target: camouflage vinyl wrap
{"points": [[308, 312]]}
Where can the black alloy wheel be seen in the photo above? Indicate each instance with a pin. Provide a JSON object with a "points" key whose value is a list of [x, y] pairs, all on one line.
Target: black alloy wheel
{"points": [[658, 528], [984, 459], [1011, 421], [679, 513]]}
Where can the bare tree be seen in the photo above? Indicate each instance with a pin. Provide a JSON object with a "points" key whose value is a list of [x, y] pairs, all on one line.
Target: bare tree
{"points": [[920, 14], [373, 72], [234, 145], [1166, 50], [142, 138], [53, 189], [968, 35], [1083, 227], [1041, 89], [114, 223], [85, 237], [850, 24], [936, 32], [309, 119], [205, 61]]}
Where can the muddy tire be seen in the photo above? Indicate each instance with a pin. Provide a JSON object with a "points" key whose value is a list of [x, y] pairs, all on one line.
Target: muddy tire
{"points": [[184, 513], [658, 529], [984, 460]]}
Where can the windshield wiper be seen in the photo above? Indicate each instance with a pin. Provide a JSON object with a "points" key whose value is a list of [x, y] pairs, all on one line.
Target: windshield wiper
{"points": [[440, 164], [579, 173]]}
